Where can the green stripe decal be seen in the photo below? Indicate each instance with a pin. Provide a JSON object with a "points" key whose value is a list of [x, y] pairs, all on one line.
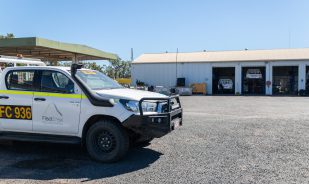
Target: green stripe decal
{"points": [[43, 94], [13, 92]]}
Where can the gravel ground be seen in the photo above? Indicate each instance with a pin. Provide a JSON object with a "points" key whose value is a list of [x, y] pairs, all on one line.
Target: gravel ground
{"points": [[223, 140]]}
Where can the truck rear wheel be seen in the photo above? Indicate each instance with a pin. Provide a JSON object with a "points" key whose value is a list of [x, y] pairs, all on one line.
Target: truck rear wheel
{"points": [[106, 141]]}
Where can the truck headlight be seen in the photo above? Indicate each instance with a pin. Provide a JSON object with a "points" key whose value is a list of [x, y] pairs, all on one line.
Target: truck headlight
{"points": [[149, 106], [132, 105]]}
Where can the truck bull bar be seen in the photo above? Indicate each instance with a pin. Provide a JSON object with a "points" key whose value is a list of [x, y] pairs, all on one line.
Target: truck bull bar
{"points": [[158, 124]]}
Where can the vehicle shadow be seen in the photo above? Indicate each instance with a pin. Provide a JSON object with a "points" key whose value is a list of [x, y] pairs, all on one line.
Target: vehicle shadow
{"points": [[39, 161]]}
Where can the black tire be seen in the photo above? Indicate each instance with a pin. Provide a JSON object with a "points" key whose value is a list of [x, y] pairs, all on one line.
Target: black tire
{"points": [[106, 141]]}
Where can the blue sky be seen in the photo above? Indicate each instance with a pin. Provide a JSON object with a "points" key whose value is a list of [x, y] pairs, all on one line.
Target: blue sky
{"points": [[161, 25]]}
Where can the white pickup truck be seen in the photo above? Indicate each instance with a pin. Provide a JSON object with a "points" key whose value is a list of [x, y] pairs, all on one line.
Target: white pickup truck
{"points": [[81, 106]]}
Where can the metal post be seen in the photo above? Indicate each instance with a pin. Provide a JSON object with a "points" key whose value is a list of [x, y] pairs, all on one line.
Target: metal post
{"points": [[54, 62], [238, 72], [131, 54], [74, 59], [176, 66], [302, 76], [268, 79]]}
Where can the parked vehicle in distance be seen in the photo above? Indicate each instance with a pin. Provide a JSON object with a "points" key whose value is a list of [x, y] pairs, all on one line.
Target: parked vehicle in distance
{"points": [[20, 61], [10, 61], [82, 106], [226, 83], [254, 73]]}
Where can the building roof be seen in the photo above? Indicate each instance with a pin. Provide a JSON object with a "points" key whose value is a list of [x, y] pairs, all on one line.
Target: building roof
{"points": [[226, 56], [44, 49]]}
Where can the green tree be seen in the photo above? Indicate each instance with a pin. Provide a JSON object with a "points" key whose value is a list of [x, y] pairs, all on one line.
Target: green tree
{"points": [[94, 66], [64, 63], [116, 69], [119, 69], [89, 65], [7, 36]]}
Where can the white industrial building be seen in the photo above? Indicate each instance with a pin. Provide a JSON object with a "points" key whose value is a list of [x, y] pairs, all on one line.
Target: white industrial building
{"points": [[270, 72]]}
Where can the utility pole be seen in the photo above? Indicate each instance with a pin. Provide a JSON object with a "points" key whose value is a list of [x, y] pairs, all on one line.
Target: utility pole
{"points": [[176, 65], [132, 54]]}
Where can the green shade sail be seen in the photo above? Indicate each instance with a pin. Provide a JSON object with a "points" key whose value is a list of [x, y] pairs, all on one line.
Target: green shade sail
{"points": [[45, 50]]}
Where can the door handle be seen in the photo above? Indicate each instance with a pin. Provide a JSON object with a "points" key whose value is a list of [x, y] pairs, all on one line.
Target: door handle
{"points": [[39, 99], [4, 97]]}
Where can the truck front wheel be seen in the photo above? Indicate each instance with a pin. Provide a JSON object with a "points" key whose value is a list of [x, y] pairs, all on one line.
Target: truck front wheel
{"points": [[106, 141]]}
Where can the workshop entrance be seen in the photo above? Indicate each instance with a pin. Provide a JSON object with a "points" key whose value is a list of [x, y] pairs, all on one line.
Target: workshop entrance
{"points": [[253, 80], [223, 80], [285, 80]]}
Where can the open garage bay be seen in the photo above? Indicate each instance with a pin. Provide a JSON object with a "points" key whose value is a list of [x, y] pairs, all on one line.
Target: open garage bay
{"points": [[224, 140]]}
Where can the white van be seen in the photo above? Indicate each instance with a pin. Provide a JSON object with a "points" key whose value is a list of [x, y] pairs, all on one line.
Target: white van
{"points": [[10, 61]]}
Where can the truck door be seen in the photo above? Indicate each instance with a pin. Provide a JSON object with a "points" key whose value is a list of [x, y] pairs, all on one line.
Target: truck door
{"points": [[56, 108], [16, 102]]}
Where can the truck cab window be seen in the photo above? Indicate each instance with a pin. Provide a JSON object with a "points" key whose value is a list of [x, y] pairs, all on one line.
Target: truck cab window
{"points": [[20, 80], [56, 82]]}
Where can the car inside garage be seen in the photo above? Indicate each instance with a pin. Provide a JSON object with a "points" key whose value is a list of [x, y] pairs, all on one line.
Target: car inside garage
{"points": [[285, 80], [223, 80], [253, 80]]}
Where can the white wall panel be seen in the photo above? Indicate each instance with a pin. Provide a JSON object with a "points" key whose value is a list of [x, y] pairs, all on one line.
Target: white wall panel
{"points": [[269, 77], [302, 76], [154, 74]]}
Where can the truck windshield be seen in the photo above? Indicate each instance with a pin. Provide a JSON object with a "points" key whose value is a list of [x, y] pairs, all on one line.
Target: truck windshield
{"points": [[96, 80]]}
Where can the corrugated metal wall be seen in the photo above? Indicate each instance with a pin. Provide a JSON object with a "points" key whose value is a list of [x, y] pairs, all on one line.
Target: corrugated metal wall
{"points": [[164, 74], [154, 74]]}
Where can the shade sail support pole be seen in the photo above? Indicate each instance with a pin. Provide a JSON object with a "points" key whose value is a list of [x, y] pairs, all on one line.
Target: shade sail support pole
{"points": [[75, 59]]}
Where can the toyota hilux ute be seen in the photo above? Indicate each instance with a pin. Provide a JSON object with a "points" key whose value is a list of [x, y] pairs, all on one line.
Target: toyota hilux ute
{"points": [[82, 106]]}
